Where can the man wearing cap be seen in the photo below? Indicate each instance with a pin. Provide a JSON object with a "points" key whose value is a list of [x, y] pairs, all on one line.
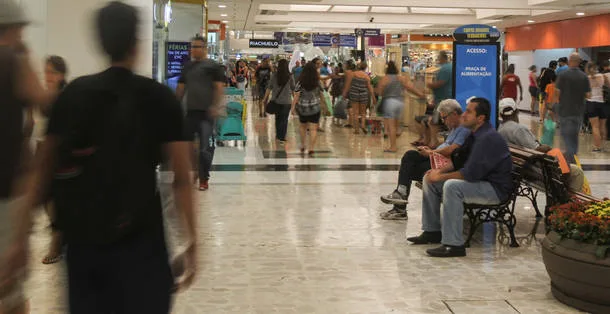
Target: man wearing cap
{"points": [[572, 89], [518, 134], [511, 130], [19, 88]]}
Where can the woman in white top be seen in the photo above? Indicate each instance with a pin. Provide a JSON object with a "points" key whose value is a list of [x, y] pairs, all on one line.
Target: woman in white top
{"points": [[595, 106]]}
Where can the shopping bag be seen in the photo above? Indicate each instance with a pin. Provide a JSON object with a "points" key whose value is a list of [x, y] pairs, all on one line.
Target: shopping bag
{"points": [[548, 133], [340, 110]]}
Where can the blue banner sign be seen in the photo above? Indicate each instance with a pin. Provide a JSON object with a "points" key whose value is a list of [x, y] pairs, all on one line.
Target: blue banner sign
{"points": [[177, 54], [476, 70], [348, 41], [322, 40], [476, 33]]}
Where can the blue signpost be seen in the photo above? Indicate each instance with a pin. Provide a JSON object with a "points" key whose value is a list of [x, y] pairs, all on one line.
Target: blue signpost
{"points": [[476, 66]]}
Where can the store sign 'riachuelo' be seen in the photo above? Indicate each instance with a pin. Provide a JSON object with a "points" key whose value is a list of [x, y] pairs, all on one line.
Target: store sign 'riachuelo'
{"points": [[264, 43], [476, 33]]}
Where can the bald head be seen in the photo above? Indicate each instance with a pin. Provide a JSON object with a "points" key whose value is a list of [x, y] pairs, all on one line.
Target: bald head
{"points": [[574, 60]]}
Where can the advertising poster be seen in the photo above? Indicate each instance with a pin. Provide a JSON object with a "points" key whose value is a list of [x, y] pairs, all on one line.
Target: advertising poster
{"points": [[476, 73], [177, 54]]}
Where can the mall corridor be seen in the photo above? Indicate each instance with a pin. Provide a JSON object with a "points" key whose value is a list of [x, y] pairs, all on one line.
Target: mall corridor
{"points": [[282, 233]]}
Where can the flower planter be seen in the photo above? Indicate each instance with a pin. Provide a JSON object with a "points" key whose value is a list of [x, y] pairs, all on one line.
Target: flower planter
{"points": [[578, 277]]}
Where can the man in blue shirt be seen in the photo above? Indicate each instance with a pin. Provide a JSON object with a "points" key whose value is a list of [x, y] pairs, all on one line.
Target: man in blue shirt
{"points": [[563, 65], [296, 71], [482, 177], [415, 163]]}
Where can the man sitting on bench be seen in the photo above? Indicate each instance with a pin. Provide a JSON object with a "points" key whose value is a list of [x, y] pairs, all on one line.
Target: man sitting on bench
{"points": [[518, 134], [415, 163], [480, 174]]}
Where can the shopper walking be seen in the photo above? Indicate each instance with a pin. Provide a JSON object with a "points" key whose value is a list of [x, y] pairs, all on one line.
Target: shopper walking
{"points": [[392, 87], [55, 72], [281, 88], [509, 84], [533, 89], [571, 90], [106, 135], [307, 101], [358, 87], [596, 111], [20, 90], [201, 88], [240, 75], [263, 75]]}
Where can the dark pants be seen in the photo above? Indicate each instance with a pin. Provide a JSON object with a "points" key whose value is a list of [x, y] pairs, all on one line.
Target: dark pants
{"points": [[131, 276], [281, 122], [413, 166], [198, 122]]}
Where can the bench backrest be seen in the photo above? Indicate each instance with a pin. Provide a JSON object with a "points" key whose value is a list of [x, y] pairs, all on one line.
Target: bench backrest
{"points": [[542, 172]]}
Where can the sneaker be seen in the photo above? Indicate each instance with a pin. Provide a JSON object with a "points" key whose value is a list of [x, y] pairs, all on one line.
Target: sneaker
{"points": [[597, 150], [394, 214], [395, 198], [203, 185]]}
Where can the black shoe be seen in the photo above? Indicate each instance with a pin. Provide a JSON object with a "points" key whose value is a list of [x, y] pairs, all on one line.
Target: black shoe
{"points": [[447, 251], [427, 237]]}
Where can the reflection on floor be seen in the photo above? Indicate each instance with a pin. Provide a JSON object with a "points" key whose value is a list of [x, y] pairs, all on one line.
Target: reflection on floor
{"points": [[293, 234]]}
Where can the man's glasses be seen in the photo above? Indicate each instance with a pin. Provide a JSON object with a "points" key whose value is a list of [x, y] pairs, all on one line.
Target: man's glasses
{"points": [[443, 118]]}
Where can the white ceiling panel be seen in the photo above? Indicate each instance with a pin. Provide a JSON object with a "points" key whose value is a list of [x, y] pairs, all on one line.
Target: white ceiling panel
{"points": [[333, 15]]}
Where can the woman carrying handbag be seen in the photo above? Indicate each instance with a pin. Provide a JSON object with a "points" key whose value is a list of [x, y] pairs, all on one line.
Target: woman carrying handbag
{"points": [[280, 88]]}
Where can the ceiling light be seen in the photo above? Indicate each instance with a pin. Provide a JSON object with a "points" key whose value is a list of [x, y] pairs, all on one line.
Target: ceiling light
{"points": [[350, 8], [494, 26], [389, 10], [294, 7], [417, 10], [225, 22], [531, 21], [223, 15], [222, 6], [580, 13]]}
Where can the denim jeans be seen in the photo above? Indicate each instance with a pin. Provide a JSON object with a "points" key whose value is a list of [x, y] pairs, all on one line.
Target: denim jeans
{"points": [[453, 194], [199, 123], [570, 127], [281, 122]]}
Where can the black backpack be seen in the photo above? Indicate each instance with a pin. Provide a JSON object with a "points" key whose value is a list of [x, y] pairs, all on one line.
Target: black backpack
{"points": [[105, 173]]}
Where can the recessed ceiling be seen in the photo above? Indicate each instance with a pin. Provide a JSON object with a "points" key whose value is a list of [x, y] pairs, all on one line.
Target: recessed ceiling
{"points": [[416, 16]]}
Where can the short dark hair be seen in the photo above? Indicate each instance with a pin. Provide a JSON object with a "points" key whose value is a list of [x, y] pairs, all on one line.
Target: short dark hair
{"points": [[392, 69], [511, 68], [204, 43], [58, 64], [117, 27], [563, 59], [552, 64], [483, 107], [443, 55]]}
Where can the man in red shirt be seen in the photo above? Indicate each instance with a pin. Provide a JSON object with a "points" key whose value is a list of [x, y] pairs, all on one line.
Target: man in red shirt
{"points": [[509, 84]]}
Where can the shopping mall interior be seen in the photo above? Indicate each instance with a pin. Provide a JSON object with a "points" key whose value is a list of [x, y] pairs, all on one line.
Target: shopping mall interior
{"points": [[281, 230]]}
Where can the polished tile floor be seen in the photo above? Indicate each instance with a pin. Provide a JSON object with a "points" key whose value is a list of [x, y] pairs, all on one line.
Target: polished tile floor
{"points": [[285, 234]]}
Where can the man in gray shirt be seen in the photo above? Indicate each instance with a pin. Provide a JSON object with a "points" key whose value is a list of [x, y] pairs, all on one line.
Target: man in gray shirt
{"points": [[572, 89], [519, 134]]}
